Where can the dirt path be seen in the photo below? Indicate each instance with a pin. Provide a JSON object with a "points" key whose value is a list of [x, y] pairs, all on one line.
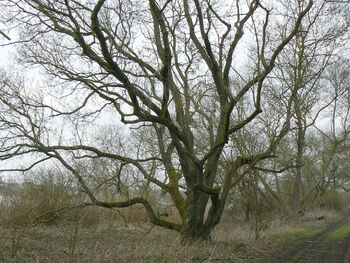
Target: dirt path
{"points": [[330, 246]]}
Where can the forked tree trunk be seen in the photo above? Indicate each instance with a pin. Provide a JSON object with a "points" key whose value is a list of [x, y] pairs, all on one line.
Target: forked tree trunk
{"points": [[194, 231], [194, 227], [198, 224]]}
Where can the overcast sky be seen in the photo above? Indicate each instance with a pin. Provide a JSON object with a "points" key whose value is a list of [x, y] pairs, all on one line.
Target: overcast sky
{"points": [[4, 51]]}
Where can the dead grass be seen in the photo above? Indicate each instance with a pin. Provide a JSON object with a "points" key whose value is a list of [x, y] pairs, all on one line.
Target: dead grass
{"points": [[275, 224], [73, 242], [117, 244]]}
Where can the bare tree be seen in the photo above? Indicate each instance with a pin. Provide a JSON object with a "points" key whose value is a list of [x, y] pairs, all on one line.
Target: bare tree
{"points": [[334, 137], [156, 64], [301, 67]]}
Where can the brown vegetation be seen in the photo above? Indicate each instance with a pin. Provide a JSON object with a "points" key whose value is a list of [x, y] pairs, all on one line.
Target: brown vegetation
{"points": [[95, 234]]}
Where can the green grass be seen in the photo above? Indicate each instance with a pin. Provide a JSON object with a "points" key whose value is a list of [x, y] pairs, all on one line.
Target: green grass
{"points": [[305, 233], [306, 229], [340, 233], [297, 233]]}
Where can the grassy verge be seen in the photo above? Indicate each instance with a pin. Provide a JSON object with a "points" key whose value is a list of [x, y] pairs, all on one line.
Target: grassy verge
{"points": [[288, 236], [340, 233]]}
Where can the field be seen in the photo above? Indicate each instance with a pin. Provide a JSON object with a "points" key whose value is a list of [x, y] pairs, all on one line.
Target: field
{"points": [[82, 239]]}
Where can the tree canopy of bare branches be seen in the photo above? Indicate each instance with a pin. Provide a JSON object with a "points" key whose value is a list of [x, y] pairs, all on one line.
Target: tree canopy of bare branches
{"points": [[170, 72]]}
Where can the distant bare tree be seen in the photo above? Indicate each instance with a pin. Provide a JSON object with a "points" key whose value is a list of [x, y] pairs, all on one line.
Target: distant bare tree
{"points": [[301, 67], [333, 156]]}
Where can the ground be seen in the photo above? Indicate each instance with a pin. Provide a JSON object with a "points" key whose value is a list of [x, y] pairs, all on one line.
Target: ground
{"points": [[331, 245], [141, 242], [130, 244]]}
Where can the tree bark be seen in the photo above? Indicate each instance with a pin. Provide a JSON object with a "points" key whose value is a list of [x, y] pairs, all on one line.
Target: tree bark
{"points": [[297, 193]]}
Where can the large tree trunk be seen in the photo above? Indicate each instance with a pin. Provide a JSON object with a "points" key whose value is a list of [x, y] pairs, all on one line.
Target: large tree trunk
{"points": [[194, 227], [200, 221]]}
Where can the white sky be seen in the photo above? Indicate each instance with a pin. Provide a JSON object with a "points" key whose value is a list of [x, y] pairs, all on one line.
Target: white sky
{"points": [[4, 55]]}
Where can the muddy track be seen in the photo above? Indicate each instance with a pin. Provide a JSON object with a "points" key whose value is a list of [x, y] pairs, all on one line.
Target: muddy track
{"points": [[319, 249]]}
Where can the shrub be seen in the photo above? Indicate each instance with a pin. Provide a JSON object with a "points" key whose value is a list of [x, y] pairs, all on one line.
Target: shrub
{"points": [[332, 199], [40, 200]]}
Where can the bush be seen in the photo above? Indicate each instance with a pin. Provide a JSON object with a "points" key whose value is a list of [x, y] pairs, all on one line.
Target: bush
{"points": [[41, 200], [332, 200]]}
